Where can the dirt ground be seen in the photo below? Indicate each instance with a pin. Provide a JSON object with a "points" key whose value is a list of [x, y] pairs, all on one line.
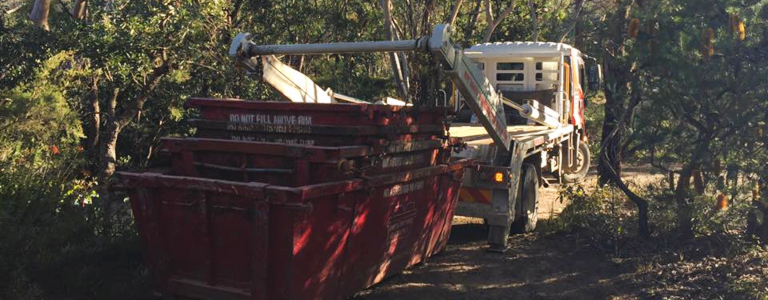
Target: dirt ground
{"points": [[535, 267]]}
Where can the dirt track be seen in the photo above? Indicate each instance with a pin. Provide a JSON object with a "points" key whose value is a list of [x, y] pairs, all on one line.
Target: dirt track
{"points": [[535, 267], [558, 267]]}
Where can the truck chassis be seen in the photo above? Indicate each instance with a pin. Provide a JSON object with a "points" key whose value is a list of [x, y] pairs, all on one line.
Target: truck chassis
{"points": [[506, 201]]}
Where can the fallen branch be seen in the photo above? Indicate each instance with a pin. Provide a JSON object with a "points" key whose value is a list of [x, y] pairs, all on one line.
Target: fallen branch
{"points": [[13, 10]]}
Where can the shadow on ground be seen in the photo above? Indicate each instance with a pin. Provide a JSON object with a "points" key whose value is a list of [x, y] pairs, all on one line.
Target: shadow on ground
{"points": [[536, 267]]}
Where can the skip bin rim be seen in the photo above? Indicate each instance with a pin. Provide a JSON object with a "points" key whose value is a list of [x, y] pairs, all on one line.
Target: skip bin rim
{"points": [[315, 153], [199, 102], [285, 194], [354, 130], [256, 190], [150, 180]]}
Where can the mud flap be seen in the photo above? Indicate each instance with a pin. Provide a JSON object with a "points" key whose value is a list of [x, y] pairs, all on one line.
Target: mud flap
{"points": [[497, 238]]}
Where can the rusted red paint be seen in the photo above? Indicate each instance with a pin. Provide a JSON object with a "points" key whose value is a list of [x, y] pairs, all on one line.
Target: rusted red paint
{"points": [[316, 125], [296, 165]]}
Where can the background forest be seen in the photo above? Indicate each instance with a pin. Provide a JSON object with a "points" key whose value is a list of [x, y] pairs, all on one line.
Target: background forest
{"points": [[87, 87]]}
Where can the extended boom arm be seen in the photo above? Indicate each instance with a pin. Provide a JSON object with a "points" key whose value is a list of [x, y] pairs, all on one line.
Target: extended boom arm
{"points": [[477, 91]]}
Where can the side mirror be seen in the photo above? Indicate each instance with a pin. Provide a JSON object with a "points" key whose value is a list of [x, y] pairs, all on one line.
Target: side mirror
{"points": [[595, 77]]}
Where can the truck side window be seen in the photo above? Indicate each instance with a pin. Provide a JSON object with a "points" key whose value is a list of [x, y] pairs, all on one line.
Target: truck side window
{"points": [[510, 76], [510, 71], [546, 74], [510, 66]]}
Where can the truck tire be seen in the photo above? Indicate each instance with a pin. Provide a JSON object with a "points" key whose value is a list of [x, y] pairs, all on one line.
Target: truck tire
{"points": [[582, 166], [527, 204]]}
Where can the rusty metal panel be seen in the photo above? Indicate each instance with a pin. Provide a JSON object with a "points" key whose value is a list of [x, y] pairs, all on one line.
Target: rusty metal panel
{"points": [[295, 165], [218, 239], [283, 113]]}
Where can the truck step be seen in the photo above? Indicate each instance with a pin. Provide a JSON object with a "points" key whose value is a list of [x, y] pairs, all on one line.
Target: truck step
{"points": [[549, 179]]}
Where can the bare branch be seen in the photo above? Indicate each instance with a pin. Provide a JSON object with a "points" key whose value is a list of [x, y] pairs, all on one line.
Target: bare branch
{"points": [[488, 12], [455, 12], [574, 19], [396, 60], [146, 90], [65, 8], [695, 123], [235, 11], [13, 10], [493, 23]]}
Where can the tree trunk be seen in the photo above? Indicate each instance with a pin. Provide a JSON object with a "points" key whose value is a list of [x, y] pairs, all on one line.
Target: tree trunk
{"points": [[642, 204], [671, 179], [610, 174], [616, 79], [534, 21], [108, 141], [470, 30], [698, 182], [684, 207], [108, 151], [108, 159], [80, 9], [394, 58], [683, 191], [611, 160], [761, 189], [93, 122], [39, 14], [757, 221]]}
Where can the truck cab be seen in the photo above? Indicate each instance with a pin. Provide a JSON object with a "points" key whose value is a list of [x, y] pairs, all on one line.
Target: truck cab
{"points": [[553, 74], [503, 188]]}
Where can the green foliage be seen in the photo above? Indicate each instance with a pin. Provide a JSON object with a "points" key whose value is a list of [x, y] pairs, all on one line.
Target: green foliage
{"points": [[602, 215], [52, 247], [689, 96], [38, 125], [605, 214]]}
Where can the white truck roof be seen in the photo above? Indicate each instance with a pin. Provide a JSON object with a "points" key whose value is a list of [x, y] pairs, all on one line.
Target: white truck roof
{"points": [[507, 49]]}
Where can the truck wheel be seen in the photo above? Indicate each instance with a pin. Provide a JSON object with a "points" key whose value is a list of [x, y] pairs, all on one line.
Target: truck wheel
{"points": [[582, 165], [527, 204]]}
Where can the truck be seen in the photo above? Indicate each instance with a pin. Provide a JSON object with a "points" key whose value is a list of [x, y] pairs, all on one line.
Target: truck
{"points": [[553, 78], [519, 107]]}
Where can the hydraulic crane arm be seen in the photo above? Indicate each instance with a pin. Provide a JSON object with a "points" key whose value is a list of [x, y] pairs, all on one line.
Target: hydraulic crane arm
{"points": [[476, 89]]}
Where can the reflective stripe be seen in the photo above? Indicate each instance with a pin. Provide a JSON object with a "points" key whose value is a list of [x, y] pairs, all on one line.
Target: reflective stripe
{"points": [[475, 195]]}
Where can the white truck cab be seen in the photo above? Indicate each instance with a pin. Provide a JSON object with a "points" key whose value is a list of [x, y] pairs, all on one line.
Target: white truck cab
{"points": [[554, 74]]}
